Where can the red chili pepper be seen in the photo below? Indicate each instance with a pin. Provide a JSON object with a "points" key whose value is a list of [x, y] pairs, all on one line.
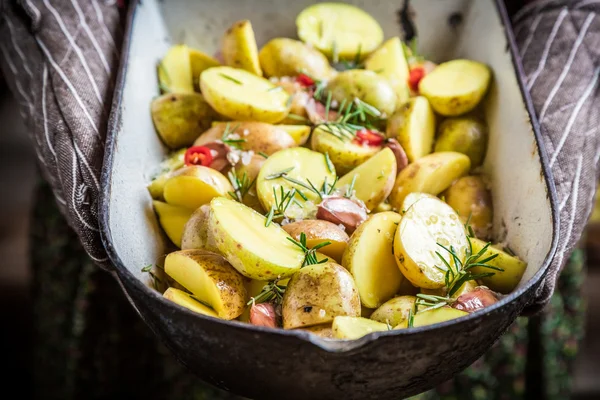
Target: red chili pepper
{"points": [[305, 80], [414, 77], [198, 155], [371, 138]]}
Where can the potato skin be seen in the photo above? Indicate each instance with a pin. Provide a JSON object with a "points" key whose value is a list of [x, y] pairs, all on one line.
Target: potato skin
{"points": [[502, 281], [239, 47], [195, 230], [368, 86], [318, 293], [179, 118], [469, 196], [395, 310], [259, 136], [318, 231], [288, 57], [465, 135]]}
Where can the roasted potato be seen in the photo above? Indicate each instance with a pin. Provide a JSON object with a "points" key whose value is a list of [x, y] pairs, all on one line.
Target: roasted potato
{"points": [[200, 61], [317, 293], [318, 232], [175, 72], [427, 224], [365, 85], [259, 137], [323, 331], [465, 135], [472, 200], [239, 48], [344, 154], [194, 186], [370, 259], [389, 61], [413, 125], [373, 179], [339, 30], [299, 133], [297, 164], [288, 57], [211, 280], [172, 219], [186, 300], [456, 87], [502, 281], [257, 251], [395, 310], [242, 96], [431, 174], [179, 118], [434, 316], [172, 163], [352, 328], [195, 230]]}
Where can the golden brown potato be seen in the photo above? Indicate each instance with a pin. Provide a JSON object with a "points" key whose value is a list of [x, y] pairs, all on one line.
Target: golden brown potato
{"points": [[368, 86], [195, 230], [432, 317], [194, 186], [318, 232], [471, 199], [239, 48], [394, 311], [351, 328], [174, 71], [323, 330], [186, 300], [502, 281], [200, 61], [467, 135], [172, 219], [288, 57]]}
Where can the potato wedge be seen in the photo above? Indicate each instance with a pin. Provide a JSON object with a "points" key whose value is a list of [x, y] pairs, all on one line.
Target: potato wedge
{"points": [[195, 230], [456, 87], [256, 251], [242, 96], [210, 278], [373, 179], [200, 61], [172, 219], [298, 164], [389, 61], [179, 118], [339, 30], [351, 328], [239, 48], [194, 186], [365, 85], [172, 163], [432, 317], [370, 259], [299, 133], [259, 137], [471, 199], [395, 310], [344, 154], [427, 224], [186, 300], [288, 57], [382, 207], [465, 135], [318, 293], [502, 281], [431, 174], [323, 330], [413, 125], [318, 232], [175, 72]]}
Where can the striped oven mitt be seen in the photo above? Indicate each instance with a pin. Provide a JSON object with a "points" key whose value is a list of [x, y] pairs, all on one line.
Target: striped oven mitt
{"points": [[61, 58]]}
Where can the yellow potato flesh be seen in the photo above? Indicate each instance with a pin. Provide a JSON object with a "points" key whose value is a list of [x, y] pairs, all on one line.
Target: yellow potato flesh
{"points": [[456, 87], [431, 174], [426, 225], [242, 96], [174, 162], [175, 72], [323, 330], [433, 317], [370, 259], [172, 219], [200, 61], [239, 48], [414, 127], [394, 311], [374, 178], [389, 61], [306, 166], [351, 328], [502, 281], [256, 251], [194, 186], [317, 232], [210, 278], [186, 300], [338, 27], [344, 154]]}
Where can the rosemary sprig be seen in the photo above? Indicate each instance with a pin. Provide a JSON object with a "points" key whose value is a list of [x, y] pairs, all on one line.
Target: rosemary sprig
{"points": [[241, 186], [264, 155], [282, 203], [225, 137], [279, 174], [326, 189], [328, 162], [350, 189], [310, 256], [272, 291], [155, 279], [232, 79], [353, 116]]}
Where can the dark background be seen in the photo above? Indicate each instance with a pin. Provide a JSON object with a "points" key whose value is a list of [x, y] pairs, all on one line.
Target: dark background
{"points": [[18, 177]]}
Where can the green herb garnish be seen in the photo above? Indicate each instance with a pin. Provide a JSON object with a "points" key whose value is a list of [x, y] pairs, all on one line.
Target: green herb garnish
{"points": [[232, 79], [282, 203], [226, 139], [272, 291], [241, 186], [310, 256]]}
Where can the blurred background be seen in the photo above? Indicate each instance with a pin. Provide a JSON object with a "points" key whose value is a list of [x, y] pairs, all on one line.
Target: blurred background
{"points": [[18, 177]]}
